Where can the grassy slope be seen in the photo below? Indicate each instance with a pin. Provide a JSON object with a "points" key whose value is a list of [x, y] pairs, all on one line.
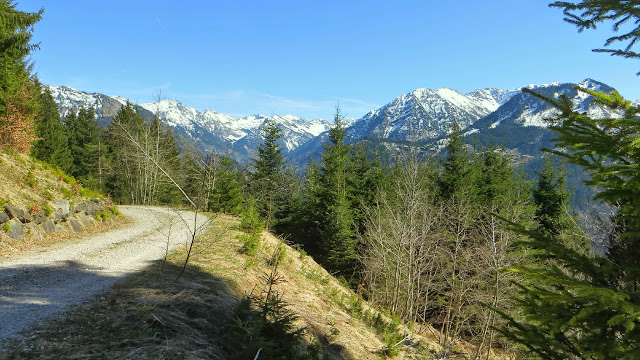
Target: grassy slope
{"points": [[155, 315], [32, 185]]}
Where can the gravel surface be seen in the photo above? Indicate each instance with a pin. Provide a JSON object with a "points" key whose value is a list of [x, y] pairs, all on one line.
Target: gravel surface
{"points": [[35, 286]]}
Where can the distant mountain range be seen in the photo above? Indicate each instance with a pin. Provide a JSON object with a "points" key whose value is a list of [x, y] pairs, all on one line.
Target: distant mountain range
{"points": [[422, 118]]}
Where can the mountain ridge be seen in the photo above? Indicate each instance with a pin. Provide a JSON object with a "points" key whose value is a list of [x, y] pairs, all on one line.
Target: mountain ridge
{"points": [[423, 116]]}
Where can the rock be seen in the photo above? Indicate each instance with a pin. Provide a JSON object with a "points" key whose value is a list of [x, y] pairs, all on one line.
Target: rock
{"points": [[62, 228], [48, 226], [62, 207], [16, 231], [32, 229], [75, 224], [58, 217], [84, 219], [3, 217], [39, 218], [87, 207], [15, 212]]}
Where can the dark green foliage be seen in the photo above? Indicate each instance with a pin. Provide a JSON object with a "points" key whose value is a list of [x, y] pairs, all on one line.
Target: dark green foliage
{"points": [[15, 34], [227, 196], [269, 163], [573, 305], [19, 101], [87, 148], [456, 170], [335, 211], [52, 146], [270, 184], [551, 199]]}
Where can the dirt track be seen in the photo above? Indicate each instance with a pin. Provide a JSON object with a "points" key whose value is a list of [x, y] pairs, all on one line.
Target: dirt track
{"points": [[37, 285]]}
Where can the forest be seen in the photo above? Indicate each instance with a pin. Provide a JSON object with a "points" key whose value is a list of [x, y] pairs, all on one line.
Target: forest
{"points": [[463, 241]]}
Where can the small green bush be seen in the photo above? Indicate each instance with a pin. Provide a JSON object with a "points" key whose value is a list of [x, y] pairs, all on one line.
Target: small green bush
{"points": [[31, 179], [47, 195], [114, 210], [355, 306], [88, 193], [69, 179], [103, 215], [66, 193], [250, 219], [47, 210], [6, 227], [250, 243], [279, 254]]}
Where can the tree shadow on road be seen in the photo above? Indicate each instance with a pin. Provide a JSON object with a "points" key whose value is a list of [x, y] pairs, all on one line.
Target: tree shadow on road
{"points": [[150, 315]]}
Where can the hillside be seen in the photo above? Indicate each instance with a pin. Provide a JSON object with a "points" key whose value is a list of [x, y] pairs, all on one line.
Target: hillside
{"points": [[157, 314], [40, 205]]}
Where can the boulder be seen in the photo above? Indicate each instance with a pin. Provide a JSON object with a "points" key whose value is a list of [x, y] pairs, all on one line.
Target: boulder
{"points": [[48, 226], [32, 229], [75, 224], [84, 219], [3, 217], [16, 231], [39, 218], [62, 207], [88, 207], [15, 212]]}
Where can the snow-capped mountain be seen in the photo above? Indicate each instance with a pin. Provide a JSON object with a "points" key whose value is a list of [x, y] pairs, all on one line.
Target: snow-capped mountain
{"points": [[520, 123], [422, 118], [71, 99], [208, 129], [425, 114]]}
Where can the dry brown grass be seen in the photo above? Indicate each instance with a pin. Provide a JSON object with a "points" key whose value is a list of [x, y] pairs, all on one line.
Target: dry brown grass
{"points": [[155, 315], [46, 184], [14, 172]]}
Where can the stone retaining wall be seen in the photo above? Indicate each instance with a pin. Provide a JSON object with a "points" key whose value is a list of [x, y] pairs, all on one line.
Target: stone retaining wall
{"points": [[16, 222]]}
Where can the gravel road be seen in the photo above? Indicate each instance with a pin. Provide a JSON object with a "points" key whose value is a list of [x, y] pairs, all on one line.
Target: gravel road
{"points": [[37, 285]]}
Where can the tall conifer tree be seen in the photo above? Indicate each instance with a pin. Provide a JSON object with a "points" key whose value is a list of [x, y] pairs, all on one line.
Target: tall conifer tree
{"points": [[52, 145], [337, 228], [18, 91], [267, 178]]}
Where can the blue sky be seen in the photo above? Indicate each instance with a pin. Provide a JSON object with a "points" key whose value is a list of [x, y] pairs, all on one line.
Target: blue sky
{"points": [[304, 57]]}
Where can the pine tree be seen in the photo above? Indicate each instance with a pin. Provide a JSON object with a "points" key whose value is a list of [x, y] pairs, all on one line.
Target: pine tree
{"points": [[329, 208], [52, 145], [87, 147], [551, 199], [19, 100], [267, 178], [227, 196], [574, 305], [456, 170]]}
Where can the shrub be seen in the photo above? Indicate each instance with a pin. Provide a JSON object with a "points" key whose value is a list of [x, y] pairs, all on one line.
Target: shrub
{"points": [[31, 178], [66, 193], [6, 227], [250, 243], [278, 255], [88, 193], [114, 210], [47, 210], [47, 195]]}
